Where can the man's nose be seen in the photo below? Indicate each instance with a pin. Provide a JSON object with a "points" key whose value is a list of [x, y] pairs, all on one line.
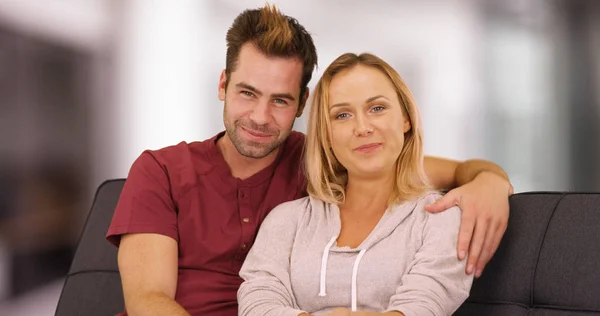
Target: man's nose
{"points": [[261, 112]]}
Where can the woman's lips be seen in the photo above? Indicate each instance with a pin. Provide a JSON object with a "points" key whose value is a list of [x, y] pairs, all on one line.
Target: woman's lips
{"points": [[368, 148]]}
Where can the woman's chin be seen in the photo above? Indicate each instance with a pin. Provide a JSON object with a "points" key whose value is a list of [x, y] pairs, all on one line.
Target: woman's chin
{"points": [[370, 171]]}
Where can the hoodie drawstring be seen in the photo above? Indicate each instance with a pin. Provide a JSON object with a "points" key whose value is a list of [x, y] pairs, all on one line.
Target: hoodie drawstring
{"points": [[354, 273], [324, 266]]}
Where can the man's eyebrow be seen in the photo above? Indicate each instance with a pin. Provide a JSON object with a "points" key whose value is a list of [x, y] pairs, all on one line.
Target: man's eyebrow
{"points": [[248, 87], [258, 92], [371, 99], [283, 96]]}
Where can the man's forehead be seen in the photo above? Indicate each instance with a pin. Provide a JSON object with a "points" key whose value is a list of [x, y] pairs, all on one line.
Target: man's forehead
{"points": [[273, 66], [267, 79]]}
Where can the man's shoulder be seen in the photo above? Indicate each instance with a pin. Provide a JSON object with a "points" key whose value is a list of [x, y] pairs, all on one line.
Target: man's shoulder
{"points": [[200, 148], [196, 153], [174, 150], [295, 141], [293, 148], [297, 137]]}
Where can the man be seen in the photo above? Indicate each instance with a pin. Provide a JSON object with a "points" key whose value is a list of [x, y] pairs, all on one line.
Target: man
{"points": [[188, 213]]}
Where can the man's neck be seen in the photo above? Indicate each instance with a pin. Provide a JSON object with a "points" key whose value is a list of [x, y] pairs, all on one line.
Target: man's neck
{"points": [[242, 167]]}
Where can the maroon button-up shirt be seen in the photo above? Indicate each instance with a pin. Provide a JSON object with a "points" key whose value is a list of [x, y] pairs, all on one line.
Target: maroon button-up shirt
{"points": [[187, 192]]}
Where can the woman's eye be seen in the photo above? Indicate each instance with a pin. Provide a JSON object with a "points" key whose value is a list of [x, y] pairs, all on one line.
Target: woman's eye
{"points": [[341, 116], [378, 108]]}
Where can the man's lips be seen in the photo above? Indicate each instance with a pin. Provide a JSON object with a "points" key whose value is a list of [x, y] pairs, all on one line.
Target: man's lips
{"points": [[256, 133], [368, 147]]}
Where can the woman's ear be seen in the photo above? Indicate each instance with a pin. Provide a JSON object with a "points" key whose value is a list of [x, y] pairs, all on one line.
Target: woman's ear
{"points": [[407, 125]]}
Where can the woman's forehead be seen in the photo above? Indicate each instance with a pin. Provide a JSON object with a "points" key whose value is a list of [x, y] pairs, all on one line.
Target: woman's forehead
{"points": [[359, 84]]}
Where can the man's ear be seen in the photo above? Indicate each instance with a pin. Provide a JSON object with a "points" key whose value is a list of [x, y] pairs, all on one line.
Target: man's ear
{"points": [[222, 84], [302, 103]]}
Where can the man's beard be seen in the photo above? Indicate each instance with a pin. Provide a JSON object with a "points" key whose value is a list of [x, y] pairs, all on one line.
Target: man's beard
{"points": [[252, 149]]}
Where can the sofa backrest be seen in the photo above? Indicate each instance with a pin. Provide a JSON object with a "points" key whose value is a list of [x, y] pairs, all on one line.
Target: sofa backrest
{"points": [[548, 262], [93, 285]]}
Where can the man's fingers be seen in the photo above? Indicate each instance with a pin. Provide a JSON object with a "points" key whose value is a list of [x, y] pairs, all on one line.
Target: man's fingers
{"points": [[476, 244], [467, 225], [486, 250], [496, 238], [447, 201]]}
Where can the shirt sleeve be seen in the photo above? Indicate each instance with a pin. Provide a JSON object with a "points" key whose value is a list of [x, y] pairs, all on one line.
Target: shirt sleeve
{"points": [[266, 289], [436, 283], [145, 204]]}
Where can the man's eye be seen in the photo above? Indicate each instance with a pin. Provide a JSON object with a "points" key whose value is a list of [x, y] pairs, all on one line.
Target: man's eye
{"points": [[280, 101], [247, 93]]}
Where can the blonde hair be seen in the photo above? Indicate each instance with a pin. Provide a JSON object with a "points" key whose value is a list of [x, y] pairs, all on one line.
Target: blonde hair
{"points": [[327, 178]]}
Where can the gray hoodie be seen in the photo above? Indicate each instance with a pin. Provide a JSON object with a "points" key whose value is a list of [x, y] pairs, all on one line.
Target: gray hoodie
{"points": [[408, 263]]}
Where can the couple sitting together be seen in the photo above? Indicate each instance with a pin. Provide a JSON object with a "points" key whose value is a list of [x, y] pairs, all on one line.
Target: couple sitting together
{"points": [[331, 224]]}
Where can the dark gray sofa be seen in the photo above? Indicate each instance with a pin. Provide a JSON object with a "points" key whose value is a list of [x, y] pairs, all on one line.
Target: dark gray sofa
{"points": [[548, 262]]}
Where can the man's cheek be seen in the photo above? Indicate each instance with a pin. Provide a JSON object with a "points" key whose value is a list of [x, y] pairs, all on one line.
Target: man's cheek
{"points": [[287, 118]]}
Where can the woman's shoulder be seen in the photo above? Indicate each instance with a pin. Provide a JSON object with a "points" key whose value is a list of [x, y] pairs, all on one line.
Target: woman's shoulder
{"points": [[289, 207], [451, 215], [417, 205], [419, 202], [290, 212], [430, 197], [301, 211]]}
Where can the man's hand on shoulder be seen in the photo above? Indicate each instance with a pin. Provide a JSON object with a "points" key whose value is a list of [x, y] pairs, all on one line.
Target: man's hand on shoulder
{"points": [[485, 211]]}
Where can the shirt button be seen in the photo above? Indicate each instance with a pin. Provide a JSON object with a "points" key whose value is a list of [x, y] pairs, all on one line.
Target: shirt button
{"points": [[244, 246], [246, 219]]}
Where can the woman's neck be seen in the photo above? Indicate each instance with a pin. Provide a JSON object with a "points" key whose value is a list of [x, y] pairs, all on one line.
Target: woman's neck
{"points": [[368, 194]]}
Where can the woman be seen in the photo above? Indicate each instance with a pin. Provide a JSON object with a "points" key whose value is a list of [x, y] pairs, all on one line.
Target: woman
{"points": [[361, 243]]}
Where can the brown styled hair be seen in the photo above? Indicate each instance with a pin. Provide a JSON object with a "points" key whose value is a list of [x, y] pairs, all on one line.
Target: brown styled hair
{"points": [[274, 34], [327, 178]]}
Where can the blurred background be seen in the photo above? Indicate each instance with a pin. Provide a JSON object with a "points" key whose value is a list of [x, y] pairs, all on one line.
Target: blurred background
{"points": [[86, 85]]}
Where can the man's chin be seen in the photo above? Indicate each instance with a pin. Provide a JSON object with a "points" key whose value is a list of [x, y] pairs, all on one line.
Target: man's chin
{"points": [[255, 152]]}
